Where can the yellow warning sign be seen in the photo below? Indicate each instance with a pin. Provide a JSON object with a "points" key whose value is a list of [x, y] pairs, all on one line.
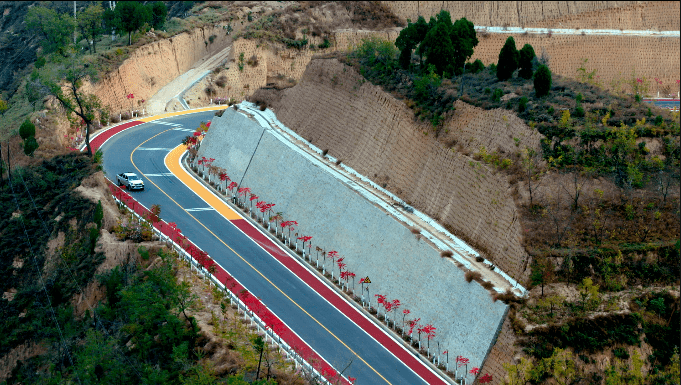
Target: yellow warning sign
{"points": [[367, 280]]}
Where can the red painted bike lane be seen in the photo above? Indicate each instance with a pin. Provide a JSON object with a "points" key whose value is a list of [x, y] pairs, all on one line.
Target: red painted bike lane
{"points": [[273, 322]]}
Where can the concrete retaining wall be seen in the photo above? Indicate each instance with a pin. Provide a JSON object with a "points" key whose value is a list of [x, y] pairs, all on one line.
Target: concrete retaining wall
{"points": [[372, 243]]}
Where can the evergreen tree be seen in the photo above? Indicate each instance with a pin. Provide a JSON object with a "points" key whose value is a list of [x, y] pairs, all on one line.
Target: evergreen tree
{"points": [[508, 60], [464, 39], [128, 17], [446, 46], [542, 81], [439, 48], [91, 25], [27, 129], [526, 56], [56, 30], [159, 12], [30, 145]]}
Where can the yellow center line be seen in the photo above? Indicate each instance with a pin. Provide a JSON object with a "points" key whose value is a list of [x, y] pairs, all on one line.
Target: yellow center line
{"points": [[172, 163]]}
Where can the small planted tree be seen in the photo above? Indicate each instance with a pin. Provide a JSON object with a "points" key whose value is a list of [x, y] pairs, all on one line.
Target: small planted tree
{"points": [[404, 314], [243, 192], [508, 60], [251, 198], [461, 361], [429, 331], [333, 254], [542, 81], [305, 238], [341, 266]]}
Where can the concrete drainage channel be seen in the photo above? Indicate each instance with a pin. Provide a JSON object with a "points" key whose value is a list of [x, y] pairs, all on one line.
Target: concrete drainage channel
{"points": [[307, 262]]}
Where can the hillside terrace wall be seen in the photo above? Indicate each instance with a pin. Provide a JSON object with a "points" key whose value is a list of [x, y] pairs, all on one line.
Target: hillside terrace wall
{"points": [[637, 15], [496, 129], [614, 57], [373, 244], [378, 136]]}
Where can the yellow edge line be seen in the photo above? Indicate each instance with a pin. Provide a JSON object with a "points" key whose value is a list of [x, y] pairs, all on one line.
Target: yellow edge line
{"points": [[171, 163], [169, 114]]}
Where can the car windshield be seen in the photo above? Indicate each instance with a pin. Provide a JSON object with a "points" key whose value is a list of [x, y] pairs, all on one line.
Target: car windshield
{"points": [[133, 177]]}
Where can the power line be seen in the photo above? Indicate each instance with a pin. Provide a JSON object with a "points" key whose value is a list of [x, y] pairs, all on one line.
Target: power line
{"points": [[40, 276], [72, 275]]}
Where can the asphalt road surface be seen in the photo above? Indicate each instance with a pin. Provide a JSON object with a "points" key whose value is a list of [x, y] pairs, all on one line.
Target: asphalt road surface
{"points": [[328, 331]]}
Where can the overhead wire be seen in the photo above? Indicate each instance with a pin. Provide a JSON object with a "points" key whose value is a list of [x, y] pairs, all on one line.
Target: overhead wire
{"points": [[73, 278], [42, 281]]}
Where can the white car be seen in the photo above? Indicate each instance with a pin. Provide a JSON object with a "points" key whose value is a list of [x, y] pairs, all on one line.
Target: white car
{"points": [[130, 180]]}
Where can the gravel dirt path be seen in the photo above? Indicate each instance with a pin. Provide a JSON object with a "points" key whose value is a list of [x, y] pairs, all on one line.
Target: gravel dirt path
{"points": [[172, 91]]}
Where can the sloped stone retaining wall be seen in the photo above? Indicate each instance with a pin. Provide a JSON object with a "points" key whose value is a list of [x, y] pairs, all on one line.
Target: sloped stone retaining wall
{"points": [[372, 243]]}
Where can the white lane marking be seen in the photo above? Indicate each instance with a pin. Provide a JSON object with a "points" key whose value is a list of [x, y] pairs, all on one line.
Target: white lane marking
{"points": [[182, 129], [162, 174], [168, 123], [153, 149], [201, 209]]}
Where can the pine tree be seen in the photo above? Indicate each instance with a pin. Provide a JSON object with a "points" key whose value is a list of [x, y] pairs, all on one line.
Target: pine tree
{"points": [[542, 81], [526, 56], [508, 60]]}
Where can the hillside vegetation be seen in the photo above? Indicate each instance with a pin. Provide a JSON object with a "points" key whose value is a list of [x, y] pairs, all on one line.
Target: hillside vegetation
{"points": [[599, 199], [88, 297]]}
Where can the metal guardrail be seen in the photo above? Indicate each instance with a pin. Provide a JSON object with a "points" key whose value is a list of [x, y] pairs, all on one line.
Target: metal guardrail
{"points": [[291, 354]]}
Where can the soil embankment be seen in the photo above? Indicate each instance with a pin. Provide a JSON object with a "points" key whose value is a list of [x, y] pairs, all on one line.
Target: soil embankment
{"points": [[154, 65], [377, 135]]}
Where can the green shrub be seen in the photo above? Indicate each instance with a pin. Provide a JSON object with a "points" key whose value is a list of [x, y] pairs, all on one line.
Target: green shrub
{"points": [[144, 253], [40, 62], [621, 353], [579, 112], [551, 110], [27, 129], [522, 104], [496, 96], [579, 98], [476, 66], [99, 215], [297, 44], [493, 69], [30, 145], [488, 91], [659, 120], [508, 60], [542, 81], [97, 158], [325, 44]]}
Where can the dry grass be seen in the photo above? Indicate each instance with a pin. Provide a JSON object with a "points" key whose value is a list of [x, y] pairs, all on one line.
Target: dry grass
{"points": [[221, 81], [488, 285], [414, 230], [446, 254], [253, 61], [472, 276]]}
